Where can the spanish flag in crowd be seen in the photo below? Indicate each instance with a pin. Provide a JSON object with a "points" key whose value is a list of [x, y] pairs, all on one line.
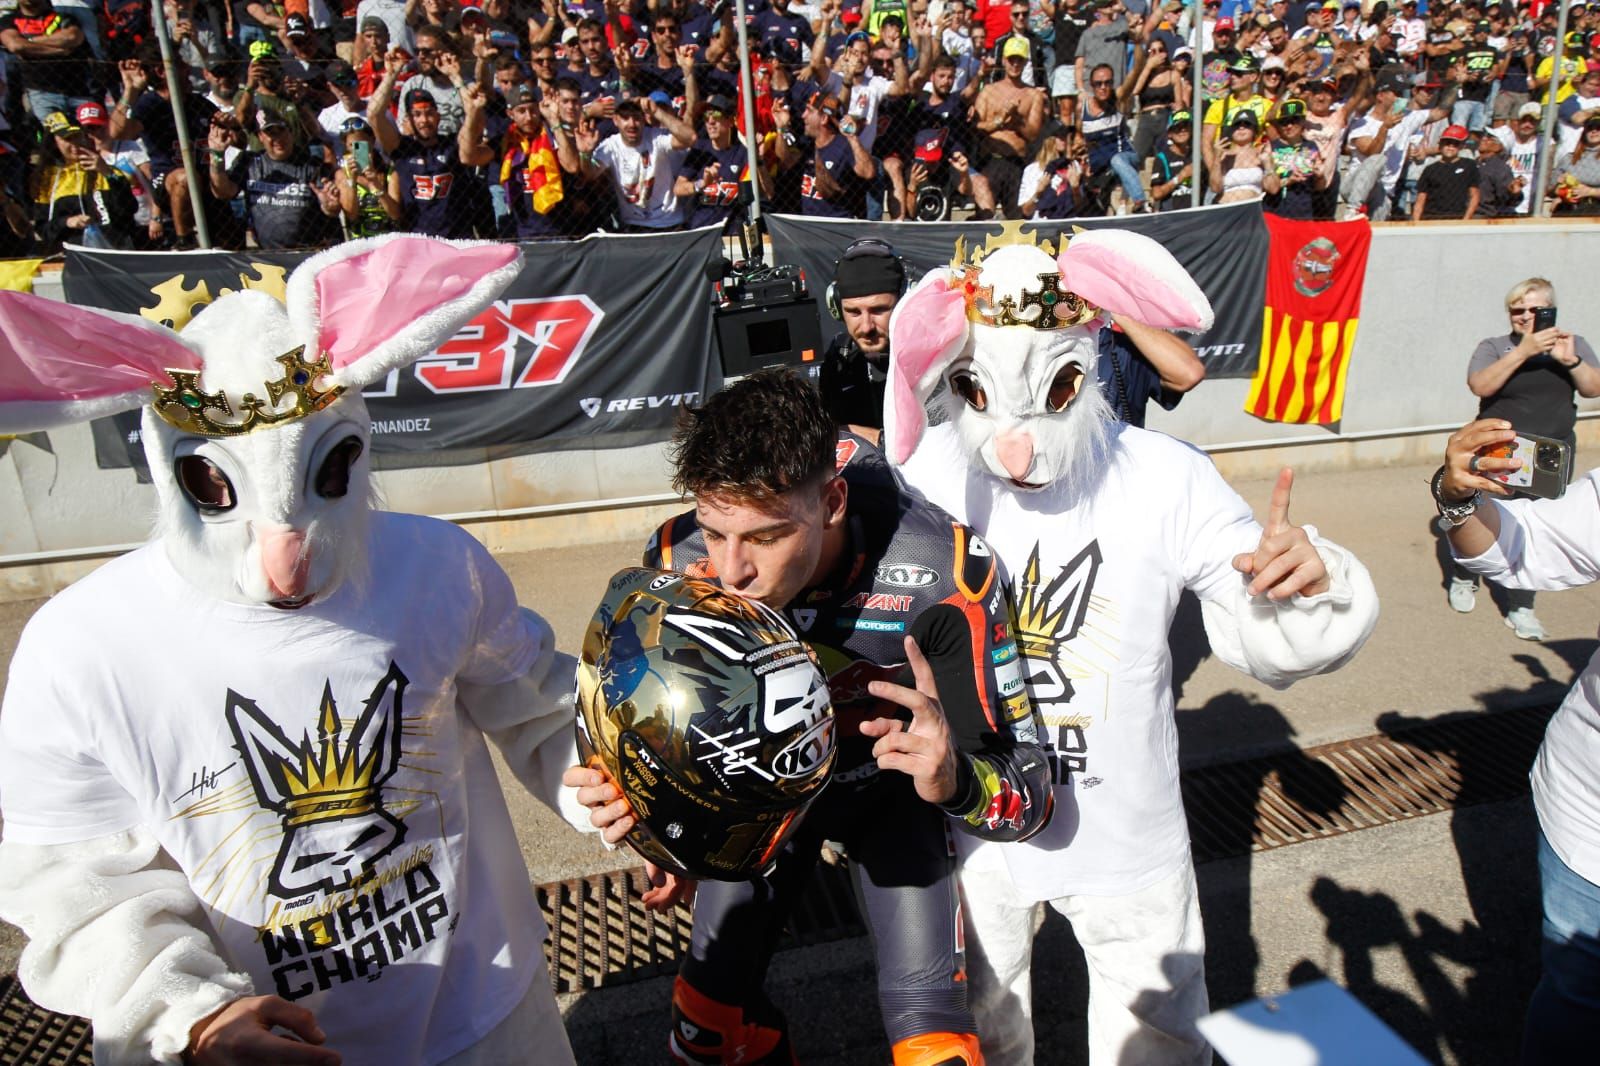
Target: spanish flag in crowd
{"points": [[537, 157], [1315, 272]]}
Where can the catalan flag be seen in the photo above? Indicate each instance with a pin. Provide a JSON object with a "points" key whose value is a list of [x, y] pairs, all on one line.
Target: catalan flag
{"points": [[1315, 272]]}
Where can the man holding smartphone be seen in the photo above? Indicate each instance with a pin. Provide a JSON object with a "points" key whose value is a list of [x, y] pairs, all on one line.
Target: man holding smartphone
{"points": [[1528, 377]]}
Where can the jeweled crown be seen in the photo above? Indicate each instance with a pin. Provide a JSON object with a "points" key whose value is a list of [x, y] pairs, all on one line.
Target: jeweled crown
{"points": [[1058, 308], [186, 407]]}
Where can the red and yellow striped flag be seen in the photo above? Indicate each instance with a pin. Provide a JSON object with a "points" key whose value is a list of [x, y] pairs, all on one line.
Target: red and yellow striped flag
{"points": [[1315, 272]]}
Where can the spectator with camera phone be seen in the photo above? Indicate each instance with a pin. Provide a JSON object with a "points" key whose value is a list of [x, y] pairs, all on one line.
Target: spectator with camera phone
{"points": [[1527, 378], [362, 183], [834, 166]]}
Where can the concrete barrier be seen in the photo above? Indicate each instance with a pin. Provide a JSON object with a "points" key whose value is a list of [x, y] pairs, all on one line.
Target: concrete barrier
{"points": [[1432, 292]]}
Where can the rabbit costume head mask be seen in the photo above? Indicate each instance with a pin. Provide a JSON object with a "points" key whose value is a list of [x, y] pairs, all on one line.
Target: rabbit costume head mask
{"points": [[254, 426], [1014, 338]]}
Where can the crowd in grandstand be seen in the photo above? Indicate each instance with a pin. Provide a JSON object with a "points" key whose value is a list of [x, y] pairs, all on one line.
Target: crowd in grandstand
{"points": [[552, 119]]}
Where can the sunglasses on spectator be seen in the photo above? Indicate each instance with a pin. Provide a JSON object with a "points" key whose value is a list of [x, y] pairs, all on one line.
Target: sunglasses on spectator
{"points": [[1099, 83], [1518, 312], [667, 29], [429, 51]]}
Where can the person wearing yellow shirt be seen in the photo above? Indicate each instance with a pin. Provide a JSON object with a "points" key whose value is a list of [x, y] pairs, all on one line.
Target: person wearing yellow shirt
{"points": [[1242, 96], [1572, 65]]}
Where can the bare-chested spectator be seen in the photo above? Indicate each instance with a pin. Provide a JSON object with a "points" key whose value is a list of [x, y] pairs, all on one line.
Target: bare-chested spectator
{"points": [[1007, 119]]}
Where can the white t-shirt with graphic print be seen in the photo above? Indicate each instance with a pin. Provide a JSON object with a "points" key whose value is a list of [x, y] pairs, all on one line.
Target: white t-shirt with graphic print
{"points": [[311, 772]]}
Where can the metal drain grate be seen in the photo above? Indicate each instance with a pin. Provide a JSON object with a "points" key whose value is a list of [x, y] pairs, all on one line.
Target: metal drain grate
{"points": [[1299, 796], [31, 1036], [600, 934]]}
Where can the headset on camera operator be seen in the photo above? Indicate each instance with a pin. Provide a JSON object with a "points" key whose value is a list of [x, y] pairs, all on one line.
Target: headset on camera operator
{"points": [[868, 280]]}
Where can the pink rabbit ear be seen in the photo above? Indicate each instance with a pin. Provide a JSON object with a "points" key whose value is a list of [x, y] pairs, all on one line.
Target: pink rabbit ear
{"points": [[1132, 275], [383, 303], [61, 364], [926, 331]]}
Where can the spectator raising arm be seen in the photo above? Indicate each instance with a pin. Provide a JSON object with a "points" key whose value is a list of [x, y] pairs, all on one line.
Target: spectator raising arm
{"points": [[378, 116], [474, 151], [682, 132]]}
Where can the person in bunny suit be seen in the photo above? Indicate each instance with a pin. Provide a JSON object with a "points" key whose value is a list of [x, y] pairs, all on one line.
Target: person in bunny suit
{"points": [[250, 815], [1102, 526]]}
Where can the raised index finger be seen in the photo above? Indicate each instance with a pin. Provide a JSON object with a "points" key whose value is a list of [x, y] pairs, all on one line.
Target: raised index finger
{"points": [[1278, 511], [920, 670]]}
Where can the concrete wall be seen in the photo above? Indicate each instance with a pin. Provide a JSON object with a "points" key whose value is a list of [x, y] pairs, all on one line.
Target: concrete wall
{"points": [[1432, 293]]}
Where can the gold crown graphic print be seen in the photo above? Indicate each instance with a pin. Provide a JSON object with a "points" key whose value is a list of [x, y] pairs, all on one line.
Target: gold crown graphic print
{"points": [[328, 789]]}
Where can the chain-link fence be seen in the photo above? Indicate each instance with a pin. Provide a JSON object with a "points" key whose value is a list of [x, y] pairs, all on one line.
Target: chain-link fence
{"points": [[554, 120]]}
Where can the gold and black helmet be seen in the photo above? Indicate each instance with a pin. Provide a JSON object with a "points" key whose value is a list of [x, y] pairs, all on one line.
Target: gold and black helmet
{"points": [[712, 717]]}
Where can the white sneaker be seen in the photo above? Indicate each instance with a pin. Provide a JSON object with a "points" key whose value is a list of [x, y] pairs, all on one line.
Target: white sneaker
{"points": [[1463, 595], [1524, 624]]}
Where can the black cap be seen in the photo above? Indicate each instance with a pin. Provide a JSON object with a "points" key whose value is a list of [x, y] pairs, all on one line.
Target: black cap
{"points": [[1244, 117], [296, 25], [340, 73], [1291, 110], [523, 94], [721, 103], [420, 96]]}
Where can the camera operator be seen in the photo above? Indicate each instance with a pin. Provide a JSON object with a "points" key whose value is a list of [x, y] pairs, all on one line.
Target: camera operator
{"points": [[868, 281], [1527, 378]]}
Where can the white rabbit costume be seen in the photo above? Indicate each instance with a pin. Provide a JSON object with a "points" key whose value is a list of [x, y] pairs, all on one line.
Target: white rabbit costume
{"points": [[249, 758], [1101, 526]]}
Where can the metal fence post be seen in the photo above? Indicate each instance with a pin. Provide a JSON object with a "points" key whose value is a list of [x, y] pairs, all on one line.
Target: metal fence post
{"points": [[175, 90]]}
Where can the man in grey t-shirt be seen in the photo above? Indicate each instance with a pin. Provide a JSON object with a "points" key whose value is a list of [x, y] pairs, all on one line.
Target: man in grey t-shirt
{"points": [[1105, 41]]}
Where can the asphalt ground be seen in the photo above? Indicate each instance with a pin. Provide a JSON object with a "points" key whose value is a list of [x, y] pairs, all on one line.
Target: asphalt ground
{"points": [[1432, 923]]}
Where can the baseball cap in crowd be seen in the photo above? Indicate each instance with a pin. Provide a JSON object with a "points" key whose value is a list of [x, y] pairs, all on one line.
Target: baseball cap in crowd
{"points": [[661, 98], [1245, 64], [297, 25], [92, 115], [858, 35], [373, 22], [57, 122], [1291, 110], [828, 105], [851, 16], [1429, 82], [474, 13], [1458, 134], [1482, 26], [1244, 117], [1183, 53], [1407, 3], [1015, 48], [1272, 63], [630, 106], [340, 73], [523, 94], [1330, 5], [1222, 26], [1575, 40], [1393, 83], [1530, 110], [1180, 119], [721, 103], [420, 96], [1592, 122], [267, 119], [930, 145], [569, 36], [353, 124]]}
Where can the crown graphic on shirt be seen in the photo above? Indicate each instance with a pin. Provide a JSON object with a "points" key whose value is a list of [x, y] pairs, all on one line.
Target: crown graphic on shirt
{"points": [[335, 778], [1037, 626], [187, 407], [1057, 308]]}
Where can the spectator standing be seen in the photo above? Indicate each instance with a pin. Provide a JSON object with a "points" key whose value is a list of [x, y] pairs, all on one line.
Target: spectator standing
{"points": [[1172, 181], [372, 44], [222, 84], [1033, 72], [1528, 379], [198, 38], [56, 65], [834, 166], [1499, 190], [1572, 65], [1516, 80], [1577, 174], [144, 111], [1007, 117], [715, 168], [1104, 41], [1578, 108], [1388, 140], [257, 20], [1296, 162], [591, 204], [78, 198], [642, 159], [432, 178], [788, 36], [538, 161], [439, 73], [1325, 127], [1521, 140], [1217, 59], [1411, 32], [362, 183], [1221, 113], [1481, 64], [347, 104], [129, 157], [1448, 187], [1158, 92], [1072, 18], [289, 200], [1243, 170]]}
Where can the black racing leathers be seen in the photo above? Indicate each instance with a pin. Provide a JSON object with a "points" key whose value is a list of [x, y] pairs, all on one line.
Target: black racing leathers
{"points": [[909, 568]]}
